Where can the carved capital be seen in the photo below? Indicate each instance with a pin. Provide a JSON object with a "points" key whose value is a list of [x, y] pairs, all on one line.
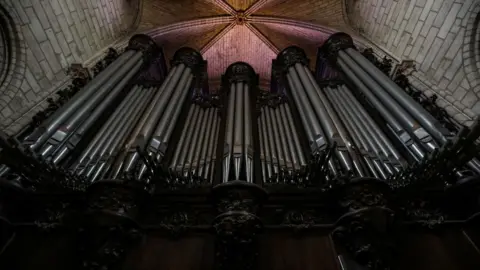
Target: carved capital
{"points": [[239, 72], [145, 44], [361, 193], [366, 237], [189, 57], [110, 202], [104, 248], [289, 57], [335, 43], [237, 224], [110, 227]]}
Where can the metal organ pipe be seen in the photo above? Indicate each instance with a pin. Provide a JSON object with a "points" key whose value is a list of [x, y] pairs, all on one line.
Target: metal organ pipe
{"points": [[416, 151], [266, 144], [155, 128], [95, 145], [375, 132], [212, 150], [292, 132], [428, 122], [248, 151], [237, 161], [405, 119], [124, 62], [98, 157], [207, 133], [320, 120], [114, 145], [238, 148]]}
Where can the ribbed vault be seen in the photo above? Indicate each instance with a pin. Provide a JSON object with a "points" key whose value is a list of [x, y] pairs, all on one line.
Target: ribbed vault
{"points": [[252, 31]]}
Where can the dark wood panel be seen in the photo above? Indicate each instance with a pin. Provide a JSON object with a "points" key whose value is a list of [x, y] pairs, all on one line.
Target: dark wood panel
{"points": [[286, 251], [32, 249], [447, 250], [194, 252]]}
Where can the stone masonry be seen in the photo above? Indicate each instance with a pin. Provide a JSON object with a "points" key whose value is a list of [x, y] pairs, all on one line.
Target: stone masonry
{"points": [[51, 35], [439, 35]]}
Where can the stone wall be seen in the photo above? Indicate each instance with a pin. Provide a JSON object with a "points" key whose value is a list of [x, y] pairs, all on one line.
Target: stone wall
{"points": [[49, 36], [437, 34]]}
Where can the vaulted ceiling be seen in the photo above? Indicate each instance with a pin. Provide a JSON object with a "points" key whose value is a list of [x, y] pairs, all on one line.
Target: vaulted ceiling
{"points": [[253, 31]]}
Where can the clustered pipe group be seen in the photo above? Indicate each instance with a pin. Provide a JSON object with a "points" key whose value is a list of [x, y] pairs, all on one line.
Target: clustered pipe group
{"points": [[331, 116]]}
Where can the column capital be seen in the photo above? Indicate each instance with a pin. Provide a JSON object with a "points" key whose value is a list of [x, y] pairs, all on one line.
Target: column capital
{"points": [[335, 43], [240, 72], [144, 43], [189, 57], [290, 56]]}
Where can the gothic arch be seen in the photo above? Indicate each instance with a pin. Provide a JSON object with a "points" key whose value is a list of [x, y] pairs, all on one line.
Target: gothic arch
{"points": [[12, 40], [471, 49]]}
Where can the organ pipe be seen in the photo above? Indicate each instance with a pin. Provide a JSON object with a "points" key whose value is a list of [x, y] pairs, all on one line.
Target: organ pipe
{"points": [[308, 130], [413, 126], [155, 127], [237, 163]]}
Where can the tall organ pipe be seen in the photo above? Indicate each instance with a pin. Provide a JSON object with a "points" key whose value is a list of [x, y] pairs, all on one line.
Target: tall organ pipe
{"points": [[237, 162], [103, 135], [287, 116], [151, 118], [319, 116], [387, 147], [74, 138], [165, 108], [357, 137], [266, 144], [212, 151], [108, 77], [183, 137], [405, 119], [431, 124], [121, 126], [107, 158], [366, 131], [271, 141], [238, 149], [138, 128], [157, 145], [416, 151], [248, 136], [209, 132]]}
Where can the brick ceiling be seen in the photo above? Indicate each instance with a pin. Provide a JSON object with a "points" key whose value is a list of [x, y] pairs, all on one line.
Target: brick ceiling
{"points": [[253, 31]]}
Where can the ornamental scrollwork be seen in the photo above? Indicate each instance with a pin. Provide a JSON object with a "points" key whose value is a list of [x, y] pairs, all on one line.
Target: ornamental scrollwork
{"points": [[336, 43], [289, 57], [367, 237], [105, 248]]}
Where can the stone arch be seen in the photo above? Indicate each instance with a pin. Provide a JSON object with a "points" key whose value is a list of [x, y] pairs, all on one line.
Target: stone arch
{"points": [[11, 81], [471, 49]]}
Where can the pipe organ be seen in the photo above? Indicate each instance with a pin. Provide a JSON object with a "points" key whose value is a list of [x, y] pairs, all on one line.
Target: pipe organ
{"points": [[345, 139]]}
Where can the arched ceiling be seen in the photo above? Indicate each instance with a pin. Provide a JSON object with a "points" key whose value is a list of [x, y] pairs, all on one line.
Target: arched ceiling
{"points": [[253, 31]]}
